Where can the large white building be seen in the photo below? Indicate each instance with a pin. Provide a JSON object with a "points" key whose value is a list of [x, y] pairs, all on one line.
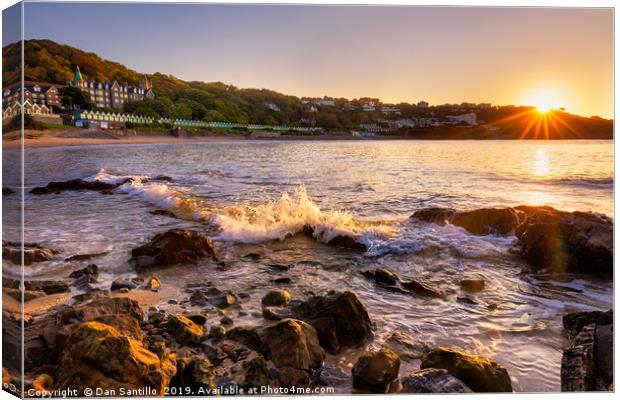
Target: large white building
{"points": [[469, 118]]}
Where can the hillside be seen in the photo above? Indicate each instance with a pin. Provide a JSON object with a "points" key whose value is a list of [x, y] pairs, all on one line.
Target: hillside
{"points": [[49, 61]]}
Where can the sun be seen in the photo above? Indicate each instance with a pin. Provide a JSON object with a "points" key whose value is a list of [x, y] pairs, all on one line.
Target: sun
{"points": [[546, 101]]}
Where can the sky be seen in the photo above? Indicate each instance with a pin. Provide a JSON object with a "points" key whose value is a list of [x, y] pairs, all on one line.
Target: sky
{"points": [[523, 56]]}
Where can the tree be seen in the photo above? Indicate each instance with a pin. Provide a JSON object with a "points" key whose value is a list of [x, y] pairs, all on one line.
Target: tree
{"points": [[72, 97]]}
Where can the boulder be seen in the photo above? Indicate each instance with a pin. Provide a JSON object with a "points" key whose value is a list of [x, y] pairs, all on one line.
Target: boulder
{"points": [[195, 373], [484, 221], [123, 283], [432, 380], [340, 319], [33, 253], [184, 330], [82, 257], [472, 285], [421, 289], [560, 241], [176, 246], [276, 298], [436, 215], [573, 322], [276, 313], [153, 283], [92, 271], [390, 281], [76, 184], [346, 241], [7, 191], [481, 374], [45, 286], [99, 356], [376, 371], [27, 294], [382, 276], [293, 347]]}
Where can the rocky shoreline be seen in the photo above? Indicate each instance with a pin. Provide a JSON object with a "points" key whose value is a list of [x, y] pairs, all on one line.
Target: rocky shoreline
{"points": [[79, 337]]}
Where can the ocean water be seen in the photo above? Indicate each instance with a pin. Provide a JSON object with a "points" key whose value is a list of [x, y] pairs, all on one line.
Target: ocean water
{"points": [[253, 199]]}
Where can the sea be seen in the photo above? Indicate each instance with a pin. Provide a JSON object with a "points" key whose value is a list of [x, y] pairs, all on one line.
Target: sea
{"points": [[253, 198]]}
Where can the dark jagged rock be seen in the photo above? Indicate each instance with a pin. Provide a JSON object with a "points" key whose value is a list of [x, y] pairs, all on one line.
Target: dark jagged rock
{"points": [[173, 247], [483, 221], [276, 298], [123, 283], [560, 241], [33, 252], [27, 294], [340, 319], [276, 313], [338, 240], [165, 213], [46, 286], [587, 365], [82, 257], [437, 215], [481, 374], [162, 178], [7, 191], [421, 289], [432, 380], [390, 281], [575, 321], [473, 285], [376, 371], [76, 184], [293, 347], [382, 276], [184, 330], [195, 373], [92, 271]]}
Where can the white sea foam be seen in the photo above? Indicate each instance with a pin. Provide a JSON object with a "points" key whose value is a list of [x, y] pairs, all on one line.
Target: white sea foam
{"points": [[289, 215]]}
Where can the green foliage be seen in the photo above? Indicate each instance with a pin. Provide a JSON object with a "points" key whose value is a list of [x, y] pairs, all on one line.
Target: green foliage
{"points": [[73, 97], [15, 123]]}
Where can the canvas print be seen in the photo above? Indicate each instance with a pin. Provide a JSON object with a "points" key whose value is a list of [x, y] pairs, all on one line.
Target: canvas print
{"points": [[234, 199]]}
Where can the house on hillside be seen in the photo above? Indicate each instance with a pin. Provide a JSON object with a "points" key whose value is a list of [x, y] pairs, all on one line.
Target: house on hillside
{"points": [[41, 93]]}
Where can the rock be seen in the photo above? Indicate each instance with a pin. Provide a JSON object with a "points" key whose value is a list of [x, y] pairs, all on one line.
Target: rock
{"points": [[467, 300], [92, 271], [432, 380], [82, 257], [293, 347], [76, 184], [421, 289], [480, 222], [196, 374], [382, 276], [560, 241], [575, 321], [587, 365], [217, 332], [340, 319], [226, 320], [198, 319], [165, 213], [7, 191], [473, 285], [99, 356], [175, 246], [481, 374], [33, 252], [28, 294], [153, 283], [46, 286], [282, 281], [406, 346], [162, 178], [123, 283], [184, 330], [376, 371], [276, 298], [338, 240], [276, 313], [225, 300]]}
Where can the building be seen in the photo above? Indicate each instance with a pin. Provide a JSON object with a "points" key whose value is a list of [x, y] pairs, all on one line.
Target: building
{"points": [[112, 94], [272, 106], [390, 110], [370, 106], [422, 104], [39, 93], [469, 118]]}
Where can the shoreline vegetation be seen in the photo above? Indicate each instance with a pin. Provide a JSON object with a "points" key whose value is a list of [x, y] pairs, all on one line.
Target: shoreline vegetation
{"points": [[61, 137]]}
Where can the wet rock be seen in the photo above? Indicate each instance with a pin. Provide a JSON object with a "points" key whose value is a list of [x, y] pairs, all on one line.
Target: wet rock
{"points": [[587, 365], [82, 257], [162, 178], [173, 247], [226, 320], [198, 319], [280, 267], [407, 347], [376, 371], [217, 332], [348, 242], [561, 241], [480, 222], [224, 300], [123, 283], [92, 271], [421, 289], [184, 330], [432, 380], [27, 294], [276, 298], [33, 252], [75, 184], [99, 356], [282, 281], [382, 276], [196, 374], [7, 191], [165, 213], [340, 319], [293, 347], [473, 285], [467, 301], [481, 374], [153, 283], [276, 313], [246, 336], [45, 286], [575, 321]]}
